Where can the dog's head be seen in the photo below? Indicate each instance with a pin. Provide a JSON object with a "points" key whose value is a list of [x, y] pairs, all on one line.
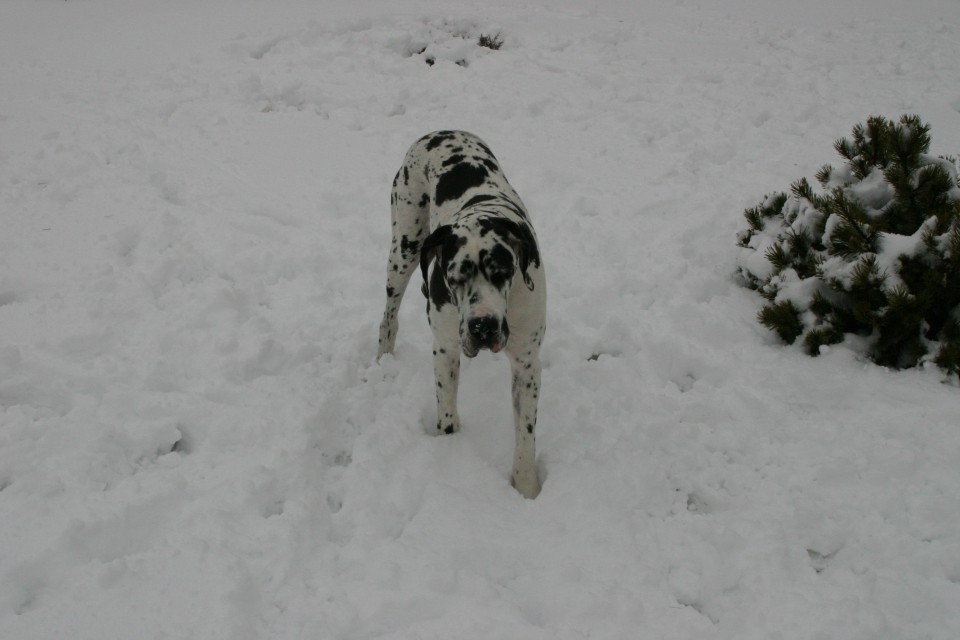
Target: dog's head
{"points": [[478, 260]]}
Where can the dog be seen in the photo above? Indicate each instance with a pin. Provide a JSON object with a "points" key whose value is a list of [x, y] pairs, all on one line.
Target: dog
{"points": [[454, 213]]}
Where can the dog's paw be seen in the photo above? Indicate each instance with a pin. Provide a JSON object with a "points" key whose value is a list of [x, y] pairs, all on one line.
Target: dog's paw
{"points": [[447, 427], [387, 338], [526, 483], [384, 349]]}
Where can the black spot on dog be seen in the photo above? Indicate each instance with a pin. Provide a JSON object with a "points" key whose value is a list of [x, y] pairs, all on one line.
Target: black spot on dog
{"points": [[439, 138], [439, 292], [484, 148], [513, 206], [477, 199], [527, 249], [488, 162], [424, 201], [500, 257], [390, 291], [442, 244], [497, 265], [455, 182], [468, 269], [406, 176], [454, 159], [408, 246]]}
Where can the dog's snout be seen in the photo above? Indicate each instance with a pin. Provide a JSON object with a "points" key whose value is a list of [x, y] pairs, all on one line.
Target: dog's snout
{"points": [[484, 329]]}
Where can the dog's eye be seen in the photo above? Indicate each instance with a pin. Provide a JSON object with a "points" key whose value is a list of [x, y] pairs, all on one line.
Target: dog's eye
{"points": [[499, 276]]}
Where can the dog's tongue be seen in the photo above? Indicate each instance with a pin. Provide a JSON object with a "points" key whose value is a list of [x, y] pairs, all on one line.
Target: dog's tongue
{"points": [[495, 347]]}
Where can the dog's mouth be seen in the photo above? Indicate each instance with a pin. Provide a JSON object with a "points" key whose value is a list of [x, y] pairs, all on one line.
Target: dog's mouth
{"points": [[471, 349]]}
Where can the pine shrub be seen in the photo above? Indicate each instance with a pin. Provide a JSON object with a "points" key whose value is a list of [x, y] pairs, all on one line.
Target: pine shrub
{"points": [[875, 253]]}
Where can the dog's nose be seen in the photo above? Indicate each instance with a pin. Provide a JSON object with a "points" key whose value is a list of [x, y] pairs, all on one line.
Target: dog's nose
{"points": [[484, 330]]}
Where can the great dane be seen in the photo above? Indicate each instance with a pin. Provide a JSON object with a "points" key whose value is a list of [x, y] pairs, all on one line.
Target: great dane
{"points": [[454, 212]]}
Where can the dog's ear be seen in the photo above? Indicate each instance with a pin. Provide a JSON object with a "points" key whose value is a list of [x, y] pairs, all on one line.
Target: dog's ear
{"points": [[519, 236], [431, 246]]}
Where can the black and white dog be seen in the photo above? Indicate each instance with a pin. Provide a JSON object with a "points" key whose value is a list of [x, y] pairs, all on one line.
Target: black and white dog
{"points": [[454, 212]]}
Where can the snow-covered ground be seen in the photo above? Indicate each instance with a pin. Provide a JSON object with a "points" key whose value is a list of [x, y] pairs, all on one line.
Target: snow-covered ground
{"points": [[196, 442]]}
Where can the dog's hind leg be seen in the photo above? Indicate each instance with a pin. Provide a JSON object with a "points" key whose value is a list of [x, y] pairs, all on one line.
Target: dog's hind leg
{"points": [[410, 223]]}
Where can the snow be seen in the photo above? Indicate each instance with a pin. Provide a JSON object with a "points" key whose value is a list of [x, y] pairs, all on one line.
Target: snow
{"points": [[892, 247], [196, 442]]}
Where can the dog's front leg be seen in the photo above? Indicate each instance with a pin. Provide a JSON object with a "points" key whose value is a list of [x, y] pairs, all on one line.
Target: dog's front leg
{"points": [[446, 369], [525, 370]]}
